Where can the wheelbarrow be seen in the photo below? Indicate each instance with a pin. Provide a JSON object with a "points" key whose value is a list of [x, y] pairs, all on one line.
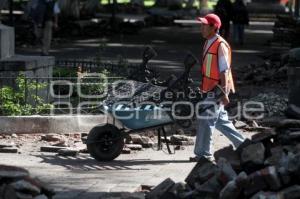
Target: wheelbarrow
{"points": [[129, 115]]}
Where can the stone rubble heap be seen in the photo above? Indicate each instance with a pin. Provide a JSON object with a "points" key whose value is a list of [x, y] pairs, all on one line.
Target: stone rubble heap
{"points": [[267, 166], [15, 183], [273, 103]]}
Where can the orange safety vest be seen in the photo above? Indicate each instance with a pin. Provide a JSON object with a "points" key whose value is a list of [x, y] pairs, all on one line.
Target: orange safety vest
{"points": [[210, 67]]}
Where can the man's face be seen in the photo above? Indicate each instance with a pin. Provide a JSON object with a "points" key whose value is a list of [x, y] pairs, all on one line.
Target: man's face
{"points": [[207, 31]]}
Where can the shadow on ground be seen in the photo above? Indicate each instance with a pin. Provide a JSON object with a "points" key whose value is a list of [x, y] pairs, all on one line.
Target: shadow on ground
{"points": [[86, 163]]}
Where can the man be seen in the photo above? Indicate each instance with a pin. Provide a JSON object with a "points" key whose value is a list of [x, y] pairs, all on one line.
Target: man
{"points": [[215, 71], [44, 14]]}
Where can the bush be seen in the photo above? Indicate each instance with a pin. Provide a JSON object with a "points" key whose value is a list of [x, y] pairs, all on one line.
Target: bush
{"points": [[15, 102]]}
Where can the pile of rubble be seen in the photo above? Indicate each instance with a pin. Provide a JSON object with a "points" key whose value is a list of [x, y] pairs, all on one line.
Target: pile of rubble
{"points": [[15, 183], [266, 72], [267, 166], [273, 104]]}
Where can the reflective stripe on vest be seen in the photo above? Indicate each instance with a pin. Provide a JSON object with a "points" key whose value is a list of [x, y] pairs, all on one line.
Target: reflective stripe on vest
{"points": [[210, 67]]}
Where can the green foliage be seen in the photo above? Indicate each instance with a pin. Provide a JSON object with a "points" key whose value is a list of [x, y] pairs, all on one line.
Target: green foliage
{"points": [[15, 101]]}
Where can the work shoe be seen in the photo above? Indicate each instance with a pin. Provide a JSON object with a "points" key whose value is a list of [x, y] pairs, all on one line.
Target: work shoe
{"points": [[198, 159]]}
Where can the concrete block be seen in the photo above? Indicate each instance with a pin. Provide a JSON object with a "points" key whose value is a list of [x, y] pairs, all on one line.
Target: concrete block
{"points": [[7, 41], [161, 189]]}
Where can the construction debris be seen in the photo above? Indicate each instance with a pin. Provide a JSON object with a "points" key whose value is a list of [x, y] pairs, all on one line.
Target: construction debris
{"points": [[17, 184], [269, 168]]}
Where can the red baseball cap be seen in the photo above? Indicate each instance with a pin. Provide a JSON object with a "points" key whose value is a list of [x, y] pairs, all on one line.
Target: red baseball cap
{"points": [[210, 19]]}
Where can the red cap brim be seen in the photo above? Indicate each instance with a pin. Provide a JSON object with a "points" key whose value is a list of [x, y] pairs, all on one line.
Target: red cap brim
{"points": [[202, 20]]}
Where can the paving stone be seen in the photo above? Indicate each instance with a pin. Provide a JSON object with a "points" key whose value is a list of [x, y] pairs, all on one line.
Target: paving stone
{"points": [[266, 195], [9, 150], [136, 147], [185, 143], [68, 152], [145, 141], [7, 192], [264, 136], [5, 145], [240, 124], [41, 197], [256, 183], [52, 149], [254, 154], [126, 151], [178, 189], [230, 155], [53, 138], [211, 187], [12, 172], [284, 176], [276, 155], [246, 143], [181, 140], [25, 186], [271, 178], [202, 171], [160, 189], [225, 171], [292, 192], [230, 191], [242, 180], [21, 195]]}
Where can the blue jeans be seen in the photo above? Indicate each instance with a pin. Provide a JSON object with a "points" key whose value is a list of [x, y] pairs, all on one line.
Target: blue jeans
{"points": [[212, 118]]}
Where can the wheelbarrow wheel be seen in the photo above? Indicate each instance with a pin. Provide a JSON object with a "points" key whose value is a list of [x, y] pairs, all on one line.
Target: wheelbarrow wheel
{"points": [[105, 143]]}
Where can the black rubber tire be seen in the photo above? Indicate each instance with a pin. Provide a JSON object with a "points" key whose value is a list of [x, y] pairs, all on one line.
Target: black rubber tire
{"points": [[105, 143]]}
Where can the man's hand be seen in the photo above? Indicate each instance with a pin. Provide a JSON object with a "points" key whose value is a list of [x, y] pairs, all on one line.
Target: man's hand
{"points": [[225, 100]]}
